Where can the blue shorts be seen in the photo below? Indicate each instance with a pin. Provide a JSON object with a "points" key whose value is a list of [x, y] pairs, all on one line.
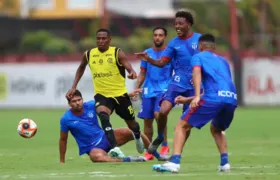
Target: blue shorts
{"points": [[221, 114], [149, 106], [103, 144], [174, 91]]}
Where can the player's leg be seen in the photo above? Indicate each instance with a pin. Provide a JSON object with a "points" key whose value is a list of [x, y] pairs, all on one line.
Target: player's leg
{"points": [[125, 110], [191, 118], [164, 145], [104, 108], [124, 135], [147, 113], [219, 124], [166, 104]]}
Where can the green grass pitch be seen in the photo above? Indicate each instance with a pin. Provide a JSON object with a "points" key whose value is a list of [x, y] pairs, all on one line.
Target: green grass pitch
{"points": [[253, 140]]}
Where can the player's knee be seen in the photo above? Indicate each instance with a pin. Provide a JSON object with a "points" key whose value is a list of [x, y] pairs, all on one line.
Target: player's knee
{"points": [[148, 123], [183, 125], [215, 130], [165, 108]]}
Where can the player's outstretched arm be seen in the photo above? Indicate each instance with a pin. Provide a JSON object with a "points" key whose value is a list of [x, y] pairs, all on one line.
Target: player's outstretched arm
{"points": [[79, 73], [63, 145], [123, 61], [158, 63]]}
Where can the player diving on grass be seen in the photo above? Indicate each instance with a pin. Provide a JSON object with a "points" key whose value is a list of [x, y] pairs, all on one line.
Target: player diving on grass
{"points": [[154, 82], [82, 122], [179, 51], [108, 65], [218, 103]]}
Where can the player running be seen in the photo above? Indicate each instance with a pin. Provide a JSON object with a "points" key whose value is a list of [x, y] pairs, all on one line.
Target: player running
{"points": [[217, 104], [179, 50], [108, 65], [155, 82], [81, 121]]}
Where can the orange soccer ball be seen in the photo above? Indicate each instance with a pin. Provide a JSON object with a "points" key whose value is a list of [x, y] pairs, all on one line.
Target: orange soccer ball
{"points": [[27, 128]]}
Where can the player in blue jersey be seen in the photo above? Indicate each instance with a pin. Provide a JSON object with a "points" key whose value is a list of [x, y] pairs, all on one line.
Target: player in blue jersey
{"points": [[180, 50], [154, 81], [218, 103], [82, 122]]}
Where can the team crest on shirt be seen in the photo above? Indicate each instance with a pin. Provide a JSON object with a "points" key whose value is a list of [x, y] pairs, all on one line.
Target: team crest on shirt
{"points": [[100, 61], [194, 46], [90, 115], [110, 60]]}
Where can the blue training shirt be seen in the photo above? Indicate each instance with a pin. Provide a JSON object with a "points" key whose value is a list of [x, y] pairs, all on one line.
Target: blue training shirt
{"points": [[216, 77], [157, 79], [181, 52], [84, 128]]}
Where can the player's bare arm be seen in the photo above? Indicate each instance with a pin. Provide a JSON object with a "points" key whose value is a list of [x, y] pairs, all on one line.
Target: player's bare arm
{"points": [[141, 78], [185, 100], [158, 63], [123, 60], [79, 73], [196, 82], [63, 145]]}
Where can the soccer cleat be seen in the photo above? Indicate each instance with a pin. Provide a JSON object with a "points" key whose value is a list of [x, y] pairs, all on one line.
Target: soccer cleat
{"points": [[154, 145], [149, 156], [164, 158], [116, 153], [167, 167], [139, 144], [164, 150], [224, 168], [137, 159]]}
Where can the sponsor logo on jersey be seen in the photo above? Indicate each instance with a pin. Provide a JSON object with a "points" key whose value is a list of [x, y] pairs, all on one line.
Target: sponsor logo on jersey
{"points": [[228, 94], [102, 75]]}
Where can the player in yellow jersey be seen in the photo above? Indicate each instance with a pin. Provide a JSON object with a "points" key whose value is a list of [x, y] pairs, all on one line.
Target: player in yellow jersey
{"points": [[108, 65]]}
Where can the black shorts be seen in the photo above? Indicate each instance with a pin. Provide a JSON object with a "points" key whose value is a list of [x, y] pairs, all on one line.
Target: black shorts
{"points": [[121, 104]]}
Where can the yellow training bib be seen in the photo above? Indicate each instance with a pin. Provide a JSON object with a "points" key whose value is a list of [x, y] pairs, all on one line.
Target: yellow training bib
{"points": [[107, 73]]}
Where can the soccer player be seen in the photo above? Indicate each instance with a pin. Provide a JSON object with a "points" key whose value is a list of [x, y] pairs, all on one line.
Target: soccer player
{"points": [[108, 65], [180, 50], [81, 121], [218, 103], [155, 82]]}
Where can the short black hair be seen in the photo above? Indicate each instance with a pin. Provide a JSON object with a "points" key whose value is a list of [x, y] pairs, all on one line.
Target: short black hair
{"points": [[76, 93], [187, 15], [207, 38], [162, 28], [104, 30]]}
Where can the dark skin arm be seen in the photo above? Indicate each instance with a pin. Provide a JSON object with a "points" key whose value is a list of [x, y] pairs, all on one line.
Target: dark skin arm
{"points": [[79, 73], [63, 145], [123, 61], [158, 63], [140, 79]]}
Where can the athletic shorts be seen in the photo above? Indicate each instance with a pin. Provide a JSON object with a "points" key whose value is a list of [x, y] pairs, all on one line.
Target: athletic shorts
{"points": [[174, 91], [121, 104], [149, 106], [103, 144], [221, 114]]}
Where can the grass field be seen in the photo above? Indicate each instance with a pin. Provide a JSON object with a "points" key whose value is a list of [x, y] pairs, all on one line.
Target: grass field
{"points": [[254, 147]]}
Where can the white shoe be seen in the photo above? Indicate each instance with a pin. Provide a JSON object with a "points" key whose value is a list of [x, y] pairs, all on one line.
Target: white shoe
{"points": [[116, 153], [139, 144], [224, 168], [167, 167]]}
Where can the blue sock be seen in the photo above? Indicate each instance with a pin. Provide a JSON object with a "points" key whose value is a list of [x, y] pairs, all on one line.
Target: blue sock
{"points": [[224, 159], [156, 154], [126, 159], [175, 159], [160, 135], [164, 143]]}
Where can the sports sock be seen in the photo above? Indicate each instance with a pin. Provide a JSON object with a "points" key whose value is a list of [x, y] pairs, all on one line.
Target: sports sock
{"points": [[224, 159], [156, 154], [136, 131], [107, 127], [164, 143], [160, 135], [175, 159], [126, 159]]}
